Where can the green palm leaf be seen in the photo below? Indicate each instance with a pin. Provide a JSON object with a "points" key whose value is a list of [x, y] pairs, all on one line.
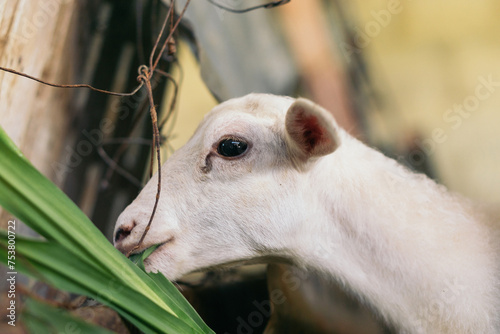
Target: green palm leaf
{"points": [[78, 258]]}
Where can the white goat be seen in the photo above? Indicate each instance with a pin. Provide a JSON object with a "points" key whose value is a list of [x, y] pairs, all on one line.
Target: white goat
{"points": [[273, 178]]}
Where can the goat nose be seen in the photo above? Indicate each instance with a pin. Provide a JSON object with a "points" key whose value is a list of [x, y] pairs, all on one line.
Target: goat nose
{"points": [[124, 231]]}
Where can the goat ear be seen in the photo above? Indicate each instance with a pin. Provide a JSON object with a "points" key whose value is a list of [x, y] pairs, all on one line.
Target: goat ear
{"points": [[311, 130]]}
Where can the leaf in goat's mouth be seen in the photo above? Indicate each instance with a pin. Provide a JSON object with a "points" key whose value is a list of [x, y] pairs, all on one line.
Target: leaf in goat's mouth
{"points": [[138, 258]]}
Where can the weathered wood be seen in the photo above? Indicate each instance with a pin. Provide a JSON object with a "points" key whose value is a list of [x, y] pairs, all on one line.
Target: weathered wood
{"points": [[37, 37]]}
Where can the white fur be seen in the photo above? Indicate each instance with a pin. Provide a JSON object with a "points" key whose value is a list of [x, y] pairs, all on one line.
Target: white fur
{"points": [[420, 256]]}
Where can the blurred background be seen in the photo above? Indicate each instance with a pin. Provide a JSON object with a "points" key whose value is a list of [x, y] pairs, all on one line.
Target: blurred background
{"points": [[410, 73], [416, 79]]}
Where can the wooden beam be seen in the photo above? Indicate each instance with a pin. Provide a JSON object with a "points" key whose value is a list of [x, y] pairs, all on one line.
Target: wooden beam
{"points": [[37, 37]]}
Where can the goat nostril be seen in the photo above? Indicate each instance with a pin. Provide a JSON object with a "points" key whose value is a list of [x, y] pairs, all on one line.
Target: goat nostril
{"points": [[124, 232], [121, 234]]}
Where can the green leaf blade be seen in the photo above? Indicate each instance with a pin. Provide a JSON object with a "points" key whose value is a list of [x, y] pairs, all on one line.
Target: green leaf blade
{"points": [[78, 258]]}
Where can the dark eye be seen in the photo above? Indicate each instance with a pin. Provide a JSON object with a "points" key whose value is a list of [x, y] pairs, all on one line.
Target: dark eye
{"points": [[231, 147]]}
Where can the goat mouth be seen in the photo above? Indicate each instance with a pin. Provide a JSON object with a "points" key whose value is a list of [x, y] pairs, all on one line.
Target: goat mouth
{"points": [[148, 250]]}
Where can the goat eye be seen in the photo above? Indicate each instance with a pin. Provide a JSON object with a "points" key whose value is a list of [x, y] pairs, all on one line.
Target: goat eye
{"points": [[231, 147]]}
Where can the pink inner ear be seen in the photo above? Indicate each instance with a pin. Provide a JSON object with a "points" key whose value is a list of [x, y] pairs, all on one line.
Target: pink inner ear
{"points": [[313, 134]]}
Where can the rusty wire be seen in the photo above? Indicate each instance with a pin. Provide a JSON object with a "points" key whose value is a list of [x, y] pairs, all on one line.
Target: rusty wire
{"points": [[5, 69], [144, 78]]}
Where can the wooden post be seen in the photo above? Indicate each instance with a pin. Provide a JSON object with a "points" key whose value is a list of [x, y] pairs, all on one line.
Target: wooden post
{"points": [[37, 37]]}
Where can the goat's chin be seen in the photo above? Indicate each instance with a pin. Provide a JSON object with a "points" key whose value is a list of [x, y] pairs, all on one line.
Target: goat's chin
{"points": [[173, 264], [163, 262], [154, 266]]}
